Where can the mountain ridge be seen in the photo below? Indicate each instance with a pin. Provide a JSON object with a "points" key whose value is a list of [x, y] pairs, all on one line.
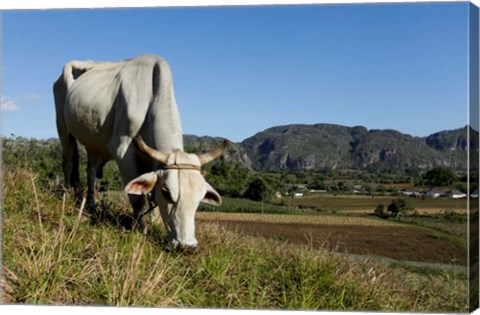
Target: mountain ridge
{"points": [[309, 147]]}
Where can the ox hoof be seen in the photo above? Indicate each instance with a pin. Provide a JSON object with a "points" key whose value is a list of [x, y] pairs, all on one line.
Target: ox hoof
{"points": [[176, 246], [141, 229], [189, 249]]}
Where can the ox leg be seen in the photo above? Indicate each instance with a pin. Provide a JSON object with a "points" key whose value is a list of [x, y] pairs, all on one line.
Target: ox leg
{"points": [[91, 175], [130, 166], [94, 170], [70, 162], [138, 202]]}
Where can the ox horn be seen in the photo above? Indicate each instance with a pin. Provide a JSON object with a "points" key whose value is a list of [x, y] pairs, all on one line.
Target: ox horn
{"points": [[213, 154], [154, 154]]}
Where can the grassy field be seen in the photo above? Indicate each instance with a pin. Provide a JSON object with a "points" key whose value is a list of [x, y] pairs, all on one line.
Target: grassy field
{"points": [[298, 219], [54, 254], [328, 203]]}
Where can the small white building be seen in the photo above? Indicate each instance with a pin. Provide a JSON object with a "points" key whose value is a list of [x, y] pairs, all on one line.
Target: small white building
{"points": [[474, 194], [455, 194], [411, 192], [435, 193]]}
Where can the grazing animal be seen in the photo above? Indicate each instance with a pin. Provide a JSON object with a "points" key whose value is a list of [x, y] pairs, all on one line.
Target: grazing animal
{"points": [[114, 109]]}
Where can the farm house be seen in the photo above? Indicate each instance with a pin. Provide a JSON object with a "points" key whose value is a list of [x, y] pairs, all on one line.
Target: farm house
{"points": [[435, 193], [455, 194], [410, 192]]}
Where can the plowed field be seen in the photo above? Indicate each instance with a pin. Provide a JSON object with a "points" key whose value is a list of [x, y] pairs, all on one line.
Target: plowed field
{"points": [[353, 235]]}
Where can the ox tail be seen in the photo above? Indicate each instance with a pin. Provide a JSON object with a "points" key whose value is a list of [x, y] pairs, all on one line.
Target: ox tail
{"points": [[74, 69]]}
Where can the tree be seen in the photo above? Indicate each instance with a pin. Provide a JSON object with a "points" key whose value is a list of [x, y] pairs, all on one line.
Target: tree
{"points": [[316, 183], [228, 177], [333, 174], [258, 190], [440, 176], [380, 212], [368, 190], [400, 206], [342, 187], [381, 189]]}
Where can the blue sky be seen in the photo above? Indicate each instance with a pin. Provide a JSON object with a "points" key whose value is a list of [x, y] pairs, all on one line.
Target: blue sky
{"points": [[240, 70]]}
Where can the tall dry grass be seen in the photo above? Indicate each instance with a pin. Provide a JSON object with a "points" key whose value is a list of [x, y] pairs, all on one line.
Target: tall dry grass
{"points": [[54, 254], [60, 258]]}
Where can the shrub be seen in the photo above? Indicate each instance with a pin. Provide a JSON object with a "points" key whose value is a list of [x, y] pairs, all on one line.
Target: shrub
{"points": [[380, 212], [400, 205], [451, 216]]}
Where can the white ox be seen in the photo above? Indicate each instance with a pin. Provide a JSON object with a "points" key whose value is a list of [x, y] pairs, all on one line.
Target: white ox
{"points": [[105, 105]]}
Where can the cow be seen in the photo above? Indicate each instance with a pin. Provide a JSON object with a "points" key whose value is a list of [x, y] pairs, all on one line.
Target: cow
{"points": [[114, 109]]}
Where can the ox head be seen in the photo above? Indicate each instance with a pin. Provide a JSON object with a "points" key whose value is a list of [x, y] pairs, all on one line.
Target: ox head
{"points": [[178, 187]]}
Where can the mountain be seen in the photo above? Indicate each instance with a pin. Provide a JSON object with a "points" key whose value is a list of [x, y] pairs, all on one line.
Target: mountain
{"points": [[320, 146], [302, 147], [235, 152]]}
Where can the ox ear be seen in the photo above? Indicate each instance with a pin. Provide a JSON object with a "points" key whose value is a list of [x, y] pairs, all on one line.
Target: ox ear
{"points": [[142, 185], [212, 197]]}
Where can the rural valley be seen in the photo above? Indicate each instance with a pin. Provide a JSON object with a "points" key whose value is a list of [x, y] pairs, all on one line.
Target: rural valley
{"points": [[313, 217]]}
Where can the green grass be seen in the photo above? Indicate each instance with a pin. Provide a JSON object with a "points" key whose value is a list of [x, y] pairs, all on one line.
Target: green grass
{"points": [[328, 202], [58, 256], [249, 206]]}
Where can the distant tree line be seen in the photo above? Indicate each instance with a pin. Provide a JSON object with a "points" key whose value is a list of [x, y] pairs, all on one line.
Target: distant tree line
{"points": [[230, 178], [44, 158]]}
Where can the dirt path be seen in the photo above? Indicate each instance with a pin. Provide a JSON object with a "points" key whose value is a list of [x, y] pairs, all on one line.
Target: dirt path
{"points": [[399, 243]]}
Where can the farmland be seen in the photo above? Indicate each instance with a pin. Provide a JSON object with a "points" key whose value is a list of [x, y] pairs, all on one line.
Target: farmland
{"points": [[328, 221], [319, 252], [348, 202], [347, 235]]}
